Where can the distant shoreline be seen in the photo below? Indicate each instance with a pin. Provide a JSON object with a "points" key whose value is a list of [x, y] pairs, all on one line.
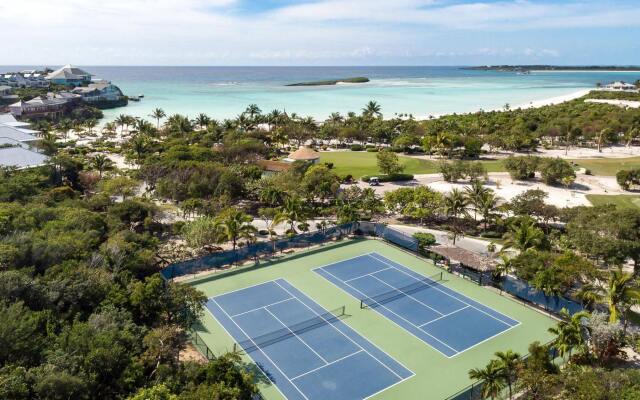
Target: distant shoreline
{"points": [[546, 68]]}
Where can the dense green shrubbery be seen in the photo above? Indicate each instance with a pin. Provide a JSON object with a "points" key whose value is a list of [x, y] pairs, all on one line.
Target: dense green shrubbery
{"points": [[628, 179], [521, 167], [357, 147], [458, 170], [389, 178], [424, 240], [552, 170]]}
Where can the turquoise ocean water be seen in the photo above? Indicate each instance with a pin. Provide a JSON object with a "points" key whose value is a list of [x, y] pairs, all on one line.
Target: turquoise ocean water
{"points": [[224, 92]]}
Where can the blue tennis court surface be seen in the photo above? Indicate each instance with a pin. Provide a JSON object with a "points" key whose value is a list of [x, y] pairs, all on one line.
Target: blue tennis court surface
{"points": [[301, 347], [445, 319]]}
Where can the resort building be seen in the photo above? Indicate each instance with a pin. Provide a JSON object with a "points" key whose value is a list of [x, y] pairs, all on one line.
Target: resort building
{"points": [[26, 79], [40, 107], [620, 85], [17, 145], [5, 90], [69, 76], [20, 158], [23, 137], [101, 92], [304, 154]]}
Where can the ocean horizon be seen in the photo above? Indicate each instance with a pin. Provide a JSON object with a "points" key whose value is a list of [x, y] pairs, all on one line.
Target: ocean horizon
{"points": [[423, 91]]}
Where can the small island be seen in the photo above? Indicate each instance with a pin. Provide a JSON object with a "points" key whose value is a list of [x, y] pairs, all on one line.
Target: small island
{"points": [[359, 79]]}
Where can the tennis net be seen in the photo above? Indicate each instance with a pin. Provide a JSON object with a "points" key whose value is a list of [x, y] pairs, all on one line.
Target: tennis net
{"points": [[397, 293], [264, 340]]}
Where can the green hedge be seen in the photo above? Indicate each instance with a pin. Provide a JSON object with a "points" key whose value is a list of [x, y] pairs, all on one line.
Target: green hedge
{"points": [[389, 178]]}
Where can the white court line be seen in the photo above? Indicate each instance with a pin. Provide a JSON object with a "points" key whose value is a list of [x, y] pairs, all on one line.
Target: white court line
{"points": [[244, 288], [260, 308], [444, 316], [399, 316], [343, 334], [261, 351], [369, 274], [405, 293], [298, 336], [343, 260], [324, 366], [448, 294]]}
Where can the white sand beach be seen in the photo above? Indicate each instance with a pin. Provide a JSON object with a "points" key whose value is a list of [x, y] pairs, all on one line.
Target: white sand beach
{"points": [[555, 100]]}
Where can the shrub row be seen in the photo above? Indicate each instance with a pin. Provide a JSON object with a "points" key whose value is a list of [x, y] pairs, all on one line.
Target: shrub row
{"points": [[389, 178]]}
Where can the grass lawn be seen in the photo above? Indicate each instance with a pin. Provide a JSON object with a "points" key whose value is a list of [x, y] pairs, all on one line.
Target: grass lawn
{"points": [[609, 166], [436, 376], [621, 201], [359, 163]]}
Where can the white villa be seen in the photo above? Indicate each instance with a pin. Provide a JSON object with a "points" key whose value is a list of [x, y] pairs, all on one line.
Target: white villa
{"points": [[620, 86]]}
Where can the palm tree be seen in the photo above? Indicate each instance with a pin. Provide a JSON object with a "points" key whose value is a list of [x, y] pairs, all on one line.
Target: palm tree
{"points": [[455, 204], [233, 226], [101, 163], [109, 129], [487, 205], [139, 145], [523, 234], [509, 362], [474, 193], [157, 114], [202, 120], [64, 126], [569, 331], [121, 120], [272, 195], [293, 210], [90, 124], [492, 379], [253, 111], [622, 292], [589, 295], [631, 134], [372, 109], [601, 138]]}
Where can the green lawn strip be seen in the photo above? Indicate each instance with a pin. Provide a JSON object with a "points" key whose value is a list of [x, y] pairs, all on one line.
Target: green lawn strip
{"points": [[621, 200], [360, 163], [436, 375], [608, 166]]}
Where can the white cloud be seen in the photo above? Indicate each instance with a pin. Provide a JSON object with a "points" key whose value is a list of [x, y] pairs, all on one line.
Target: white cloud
{"points": [[215, 32]]}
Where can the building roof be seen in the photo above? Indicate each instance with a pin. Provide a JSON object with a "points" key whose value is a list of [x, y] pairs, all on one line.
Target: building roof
{"points": [[19, 135], [7, 118], [69, 72], [273, 166], [304, 154], [467, 258], [18, 157]]}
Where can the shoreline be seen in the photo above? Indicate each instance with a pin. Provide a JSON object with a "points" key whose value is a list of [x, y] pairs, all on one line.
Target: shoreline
{"points": [[549, 101]]}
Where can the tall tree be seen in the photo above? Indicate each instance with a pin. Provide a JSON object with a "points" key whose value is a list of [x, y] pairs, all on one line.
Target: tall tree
{"points": [[492, 379], [157, 114], [233, 225]]}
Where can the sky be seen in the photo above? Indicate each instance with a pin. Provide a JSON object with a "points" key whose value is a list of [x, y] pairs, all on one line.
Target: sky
{"points": [[319, 32]]}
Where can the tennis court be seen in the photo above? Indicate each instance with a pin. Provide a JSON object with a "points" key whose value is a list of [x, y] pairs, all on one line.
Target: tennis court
{"points": [[443, 318], [305, 350]]}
